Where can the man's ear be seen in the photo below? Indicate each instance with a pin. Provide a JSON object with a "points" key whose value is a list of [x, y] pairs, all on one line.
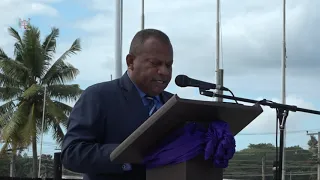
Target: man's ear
{"points": [[129, 60]]}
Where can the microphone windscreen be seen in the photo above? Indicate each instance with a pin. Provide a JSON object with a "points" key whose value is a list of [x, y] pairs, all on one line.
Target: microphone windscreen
{"points": [[182, 80]]}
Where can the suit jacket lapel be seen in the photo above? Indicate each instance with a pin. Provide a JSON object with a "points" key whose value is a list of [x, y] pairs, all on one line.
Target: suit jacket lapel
{"points": [[165, 97], [133, 98]]}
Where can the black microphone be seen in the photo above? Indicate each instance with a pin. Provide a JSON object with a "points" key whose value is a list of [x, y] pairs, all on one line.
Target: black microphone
{"points": [[185, 81]]}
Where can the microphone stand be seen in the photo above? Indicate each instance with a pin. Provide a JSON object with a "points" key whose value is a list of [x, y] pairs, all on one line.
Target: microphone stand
{"points": [[282, 111]]}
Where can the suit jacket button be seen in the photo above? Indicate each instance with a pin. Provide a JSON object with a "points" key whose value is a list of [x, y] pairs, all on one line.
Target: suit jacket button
{"points": [[126, 167]]}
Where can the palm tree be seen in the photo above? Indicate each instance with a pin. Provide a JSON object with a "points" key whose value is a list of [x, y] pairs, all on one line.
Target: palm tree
{"points": [[23, 80]]}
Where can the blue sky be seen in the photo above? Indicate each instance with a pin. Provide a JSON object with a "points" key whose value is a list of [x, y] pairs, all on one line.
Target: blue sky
{"points": [[251, 37]]}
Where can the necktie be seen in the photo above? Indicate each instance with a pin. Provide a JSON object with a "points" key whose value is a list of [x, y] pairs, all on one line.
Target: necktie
{"points": [[151, 105]]}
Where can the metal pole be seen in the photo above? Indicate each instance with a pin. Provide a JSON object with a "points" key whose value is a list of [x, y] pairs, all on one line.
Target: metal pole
{"points": [[290, 175], [220, 83], [57, 166], [42, 127], [263, 167], [283, 64], [219, 72], [142, 14], [11, 166], [318, 178], [118, 36]]}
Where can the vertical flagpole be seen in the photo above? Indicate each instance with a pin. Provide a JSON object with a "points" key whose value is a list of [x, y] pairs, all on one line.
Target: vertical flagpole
{"points": [[219, 72], [118, 40], [218, 39], [284, 56], [142, 14]]}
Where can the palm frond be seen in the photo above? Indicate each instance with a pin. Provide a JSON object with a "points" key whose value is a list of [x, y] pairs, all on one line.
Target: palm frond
{"points": [[19, 52], [9, 93], [33, 52], [29, 130], [17, 120], [55, 111], [75, 47], [49, 44], [18, 46], [3, 55], [31, 91], [16, 143], [61, 71], [15, 34], [55, 118], [14, 69], [64, 107], [5, 117], [65, 92], [7, 107], [4, 147], [6, 80], [58, 134]]}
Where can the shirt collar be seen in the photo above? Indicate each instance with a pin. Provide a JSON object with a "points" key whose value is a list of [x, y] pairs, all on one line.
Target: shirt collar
{"points": [[141, 93]]}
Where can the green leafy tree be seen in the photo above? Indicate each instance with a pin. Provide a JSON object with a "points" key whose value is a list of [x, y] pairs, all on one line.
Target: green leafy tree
{"points": [[313, 148], [23, 80], [313, 144]]}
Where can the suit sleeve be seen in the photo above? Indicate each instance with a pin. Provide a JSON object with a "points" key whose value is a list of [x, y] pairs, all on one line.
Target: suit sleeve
{"points": [[82, 150]]}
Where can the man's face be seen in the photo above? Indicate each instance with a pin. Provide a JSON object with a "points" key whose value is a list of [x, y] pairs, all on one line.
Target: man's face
{"points": [[151, 69]]}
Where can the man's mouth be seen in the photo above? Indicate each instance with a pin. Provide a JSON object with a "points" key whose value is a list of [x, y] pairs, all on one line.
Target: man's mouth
{"points": [[159, 81]]}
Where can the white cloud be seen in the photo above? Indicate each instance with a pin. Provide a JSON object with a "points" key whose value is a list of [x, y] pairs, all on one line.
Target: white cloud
{"points": [[40, 8], [95, 24]]}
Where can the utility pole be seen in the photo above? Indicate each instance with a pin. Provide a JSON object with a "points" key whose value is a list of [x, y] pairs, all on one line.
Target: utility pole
{"points": [[263, 168], [42, 128], [318, 160], [219, 72]]}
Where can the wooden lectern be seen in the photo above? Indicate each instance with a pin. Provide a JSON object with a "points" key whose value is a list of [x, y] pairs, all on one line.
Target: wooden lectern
{"points": [[174, 114]]}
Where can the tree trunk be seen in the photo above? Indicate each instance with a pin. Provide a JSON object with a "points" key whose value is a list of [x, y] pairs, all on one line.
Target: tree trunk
{"points": [[35, 157]]}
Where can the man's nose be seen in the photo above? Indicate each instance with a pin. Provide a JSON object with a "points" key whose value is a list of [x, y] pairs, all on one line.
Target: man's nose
{"points": [[164, 70]]}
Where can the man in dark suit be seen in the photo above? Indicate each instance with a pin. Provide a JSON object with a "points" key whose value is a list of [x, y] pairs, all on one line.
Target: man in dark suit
{"points": [[109, 112]]}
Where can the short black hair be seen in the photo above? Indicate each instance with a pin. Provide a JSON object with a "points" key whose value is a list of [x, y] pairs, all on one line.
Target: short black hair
{"points": [[141, 36]]}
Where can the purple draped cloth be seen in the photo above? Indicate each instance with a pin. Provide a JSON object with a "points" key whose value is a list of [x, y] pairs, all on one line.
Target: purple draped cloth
{"points": [[216, 143]]}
